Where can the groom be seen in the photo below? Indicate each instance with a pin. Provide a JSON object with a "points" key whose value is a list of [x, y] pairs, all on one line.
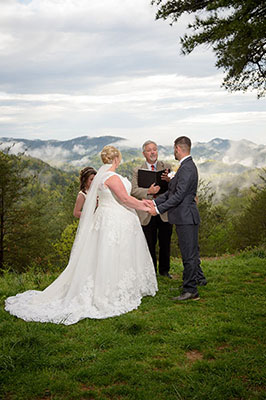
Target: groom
{"points": [[182, 209]]}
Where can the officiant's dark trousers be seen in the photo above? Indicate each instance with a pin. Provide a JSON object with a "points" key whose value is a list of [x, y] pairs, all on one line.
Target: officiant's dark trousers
{"points": [[189, 248], [156, 228]]}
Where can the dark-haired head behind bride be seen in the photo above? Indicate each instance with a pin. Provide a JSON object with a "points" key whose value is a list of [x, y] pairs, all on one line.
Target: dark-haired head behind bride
{"points": [[86, 177], [110, 268]]}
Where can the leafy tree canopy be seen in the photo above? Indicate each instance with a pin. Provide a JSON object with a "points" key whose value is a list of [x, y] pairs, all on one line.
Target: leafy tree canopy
{"points": [[235, 29]]}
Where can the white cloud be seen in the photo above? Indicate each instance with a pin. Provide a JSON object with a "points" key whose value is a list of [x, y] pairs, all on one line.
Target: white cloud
{"points": [[14, 148], [75, 67], [79, 149], [51, 153], [227, 118], [80, 162]]}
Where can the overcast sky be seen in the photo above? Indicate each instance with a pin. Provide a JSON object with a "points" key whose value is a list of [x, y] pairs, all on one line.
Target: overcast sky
{"points": [[71, 68]]}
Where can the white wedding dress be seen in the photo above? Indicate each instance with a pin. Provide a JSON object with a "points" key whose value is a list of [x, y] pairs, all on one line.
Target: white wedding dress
{"points": [[109, 271]]}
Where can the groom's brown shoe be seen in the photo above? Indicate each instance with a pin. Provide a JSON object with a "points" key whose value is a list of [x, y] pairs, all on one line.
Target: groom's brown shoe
{"points": [[186, 296]]}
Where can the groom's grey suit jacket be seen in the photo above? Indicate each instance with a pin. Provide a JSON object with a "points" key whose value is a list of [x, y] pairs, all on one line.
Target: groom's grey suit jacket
{"points": [[142, 193], [179, 200]]}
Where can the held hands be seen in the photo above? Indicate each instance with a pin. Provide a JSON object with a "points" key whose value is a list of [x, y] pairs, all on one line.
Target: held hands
{"points": [[152, 210], [148, 203], [149, 207]]}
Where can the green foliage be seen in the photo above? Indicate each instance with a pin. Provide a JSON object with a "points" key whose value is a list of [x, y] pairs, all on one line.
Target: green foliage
{"points": [[47, 175], [38, 227], [212, 349], [215, 227], [126, 168], [30, 241], [234, 29], [35, 208], [68, 201], [233, 185], [64, 244], [238, 221], [235, 201], [250, 226], [13, 186]]}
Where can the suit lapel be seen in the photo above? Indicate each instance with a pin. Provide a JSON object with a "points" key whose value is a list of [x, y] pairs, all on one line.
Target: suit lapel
{"points": [[144, 166], [159, 165]]}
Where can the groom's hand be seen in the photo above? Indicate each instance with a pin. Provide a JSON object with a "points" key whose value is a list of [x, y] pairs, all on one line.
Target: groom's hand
{"points": [[152, 210], [150, 204]]}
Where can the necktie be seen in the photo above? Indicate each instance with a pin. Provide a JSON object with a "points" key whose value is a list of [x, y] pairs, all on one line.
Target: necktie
{"points": [[152, 168]]}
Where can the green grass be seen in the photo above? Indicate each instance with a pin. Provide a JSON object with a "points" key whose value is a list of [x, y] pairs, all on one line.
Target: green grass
{"points": [[209, 349]]}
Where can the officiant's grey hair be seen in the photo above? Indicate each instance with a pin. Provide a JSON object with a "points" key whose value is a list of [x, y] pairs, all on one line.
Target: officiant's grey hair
{"points": [[148, 142]]}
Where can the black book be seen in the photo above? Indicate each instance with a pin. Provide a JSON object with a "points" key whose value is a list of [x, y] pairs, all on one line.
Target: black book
{"points": [[146, 178]]}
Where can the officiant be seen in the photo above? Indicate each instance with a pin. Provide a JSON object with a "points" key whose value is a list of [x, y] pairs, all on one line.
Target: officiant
{"points": [[154, 227]]}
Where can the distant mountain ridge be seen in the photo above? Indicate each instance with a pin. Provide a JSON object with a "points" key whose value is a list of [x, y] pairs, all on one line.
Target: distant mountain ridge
{"points": [[75, 152], [84, 150], [242, 152]]}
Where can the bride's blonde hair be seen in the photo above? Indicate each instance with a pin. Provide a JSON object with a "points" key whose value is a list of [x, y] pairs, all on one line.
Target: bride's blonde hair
{"points": [[109, 153]]}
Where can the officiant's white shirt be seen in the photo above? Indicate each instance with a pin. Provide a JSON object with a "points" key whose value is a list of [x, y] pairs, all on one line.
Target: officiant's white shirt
{"points": [[149, 165]]}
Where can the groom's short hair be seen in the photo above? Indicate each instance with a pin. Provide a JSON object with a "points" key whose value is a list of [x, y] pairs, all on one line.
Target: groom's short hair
{"points": [[184, 142]]}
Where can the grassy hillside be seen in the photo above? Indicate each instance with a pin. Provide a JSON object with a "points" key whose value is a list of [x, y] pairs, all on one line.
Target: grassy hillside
{"points": [[211, 349]]}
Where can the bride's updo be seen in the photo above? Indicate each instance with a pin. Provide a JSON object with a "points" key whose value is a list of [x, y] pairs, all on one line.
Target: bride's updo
{"points": [[109, 153]]}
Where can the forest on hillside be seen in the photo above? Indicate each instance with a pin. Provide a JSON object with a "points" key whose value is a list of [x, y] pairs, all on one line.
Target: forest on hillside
{"points": [[38, 227]]}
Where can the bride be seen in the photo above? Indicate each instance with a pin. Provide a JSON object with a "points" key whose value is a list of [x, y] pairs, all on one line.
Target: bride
{"points": [[110, 268]]}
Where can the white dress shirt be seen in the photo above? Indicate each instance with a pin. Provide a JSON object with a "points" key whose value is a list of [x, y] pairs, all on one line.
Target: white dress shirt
{"points": [[149, 165], [183, 159]]}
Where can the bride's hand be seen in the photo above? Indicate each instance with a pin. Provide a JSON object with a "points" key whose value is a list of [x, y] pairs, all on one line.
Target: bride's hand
{"points": [[146, 208], [147, 203], [150, 207]]}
